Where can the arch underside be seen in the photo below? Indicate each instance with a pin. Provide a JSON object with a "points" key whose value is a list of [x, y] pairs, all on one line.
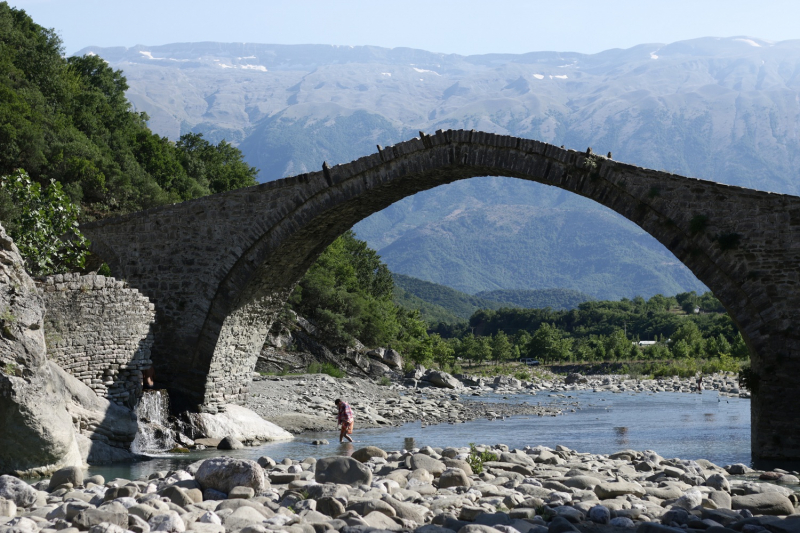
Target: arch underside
{"points": [[756, 280]]}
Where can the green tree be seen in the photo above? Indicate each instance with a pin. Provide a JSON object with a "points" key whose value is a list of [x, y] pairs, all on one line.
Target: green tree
{"points": [[522, 341], [718, 346], [681, 349], [483, 350], [688, 301], [691, 335], [347, 293], [467, 347], [221, 166], [443, 352], [501, 348], [550, 344], [67, 119], [43, 224], [739, 348], [617, 345]]}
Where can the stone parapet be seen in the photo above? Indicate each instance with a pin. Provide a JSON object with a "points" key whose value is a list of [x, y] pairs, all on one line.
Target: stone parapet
{"points": [[99, 330]]}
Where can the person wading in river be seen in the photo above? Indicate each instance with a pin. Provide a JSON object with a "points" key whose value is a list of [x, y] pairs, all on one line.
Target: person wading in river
{"points": [[345, 418]]}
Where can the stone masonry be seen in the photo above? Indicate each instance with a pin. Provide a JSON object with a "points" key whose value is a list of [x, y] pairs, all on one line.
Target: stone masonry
{"points": [[98, 330], [219, 268]]}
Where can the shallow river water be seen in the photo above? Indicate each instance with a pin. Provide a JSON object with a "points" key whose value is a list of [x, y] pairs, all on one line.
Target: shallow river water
{"points": [[689, 426]]}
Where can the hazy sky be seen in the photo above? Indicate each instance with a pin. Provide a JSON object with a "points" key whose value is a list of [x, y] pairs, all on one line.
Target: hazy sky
{"points": [[450, 26]]}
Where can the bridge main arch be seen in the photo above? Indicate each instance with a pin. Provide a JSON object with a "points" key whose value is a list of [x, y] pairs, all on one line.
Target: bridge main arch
{"points": [[220, 268]]}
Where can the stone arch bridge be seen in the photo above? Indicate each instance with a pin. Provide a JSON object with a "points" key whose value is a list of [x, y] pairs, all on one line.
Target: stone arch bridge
{"points": [[218, 269]]}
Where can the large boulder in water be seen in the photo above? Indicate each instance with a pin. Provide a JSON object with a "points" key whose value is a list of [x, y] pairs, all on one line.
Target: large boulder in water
{"points": [[36, 432]]}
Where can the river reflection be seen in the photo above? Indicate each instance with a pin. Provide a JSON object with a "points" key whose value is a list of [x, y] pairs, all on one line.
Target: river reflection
{"points": [[622, 433], [689, 426]]}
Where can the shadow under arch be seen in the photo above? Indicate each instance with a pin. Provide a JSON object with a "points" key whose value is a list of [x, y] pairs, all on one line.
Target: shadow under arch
{"points": [[736, 241]]}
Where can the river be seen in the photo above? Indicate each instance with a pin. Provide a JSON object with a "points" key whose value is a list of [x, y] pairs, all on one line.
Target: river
{"points": [[689, 426]]}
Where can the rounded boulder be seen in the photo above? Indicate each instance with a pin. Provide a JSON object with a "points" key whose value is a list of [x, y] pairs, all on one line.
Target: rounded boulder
{"points": [[70, 474], [342, 470], [771, 503], [225, 473], [368, 452], [454, 477]]}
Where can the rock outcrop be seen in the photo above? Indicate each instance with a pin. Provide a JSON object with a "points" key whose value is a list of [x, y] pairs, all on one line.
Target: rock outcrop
{"points": [[36, 432], [293, 344], [105, 429], [441, 379]]}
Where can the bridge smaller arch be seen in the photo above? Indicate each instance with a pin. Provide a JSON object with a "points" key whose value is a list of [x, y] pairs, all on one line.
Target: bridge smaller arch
{"points": [[219, 268]]}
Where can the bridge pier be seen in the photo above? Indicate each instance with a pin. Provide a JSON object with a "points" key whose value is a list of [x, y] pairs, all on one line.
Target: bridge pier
{"points": [[775, 405]]}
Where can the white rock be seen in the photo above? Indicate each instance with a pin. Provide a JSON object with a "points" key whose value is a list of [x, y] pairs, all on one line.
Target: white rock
{"points": [[238, 422]]}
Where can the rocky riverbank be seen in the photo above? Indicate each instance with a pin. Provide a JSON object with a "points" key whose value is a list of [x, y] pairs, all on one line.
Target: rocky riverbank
{"points": [[428, 490], [305, 403]]}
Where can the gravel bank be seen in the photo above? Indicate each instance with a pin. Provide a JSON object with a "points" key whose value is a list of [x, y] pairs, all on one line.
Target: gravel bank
{"points": [[305, 403]]}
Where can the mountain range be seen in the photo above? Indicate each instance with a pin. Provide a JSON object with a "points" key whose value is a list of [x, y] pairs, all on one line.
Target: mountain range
{"points": [[722, 109]]}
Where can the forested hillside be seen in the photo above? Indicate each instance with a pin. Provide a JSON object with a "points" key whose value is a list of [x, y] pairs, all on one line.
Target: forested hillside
{"points": [[556, 299], [439, 303], [456, 302]]}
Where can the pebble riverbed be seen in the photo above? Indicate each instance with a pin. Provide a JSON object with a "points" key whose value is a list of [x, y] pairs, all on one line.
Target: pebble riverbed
{"points": [[424, 490]]}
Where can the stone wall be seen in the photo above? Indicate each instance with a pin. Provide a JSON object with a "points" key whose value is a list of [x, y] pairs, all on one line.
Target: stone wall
{"points": [[99, 330]]}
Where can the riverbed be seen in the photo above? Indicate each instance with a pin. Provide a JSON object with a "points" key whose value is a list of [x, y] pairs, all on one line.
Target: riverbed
{"points": [[689, 426]]}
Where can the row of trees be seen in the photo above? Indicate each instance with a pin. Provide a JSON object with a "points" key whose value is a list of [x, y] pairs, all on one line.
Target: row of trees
{"points": [[549, 344], [596, 331]]}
